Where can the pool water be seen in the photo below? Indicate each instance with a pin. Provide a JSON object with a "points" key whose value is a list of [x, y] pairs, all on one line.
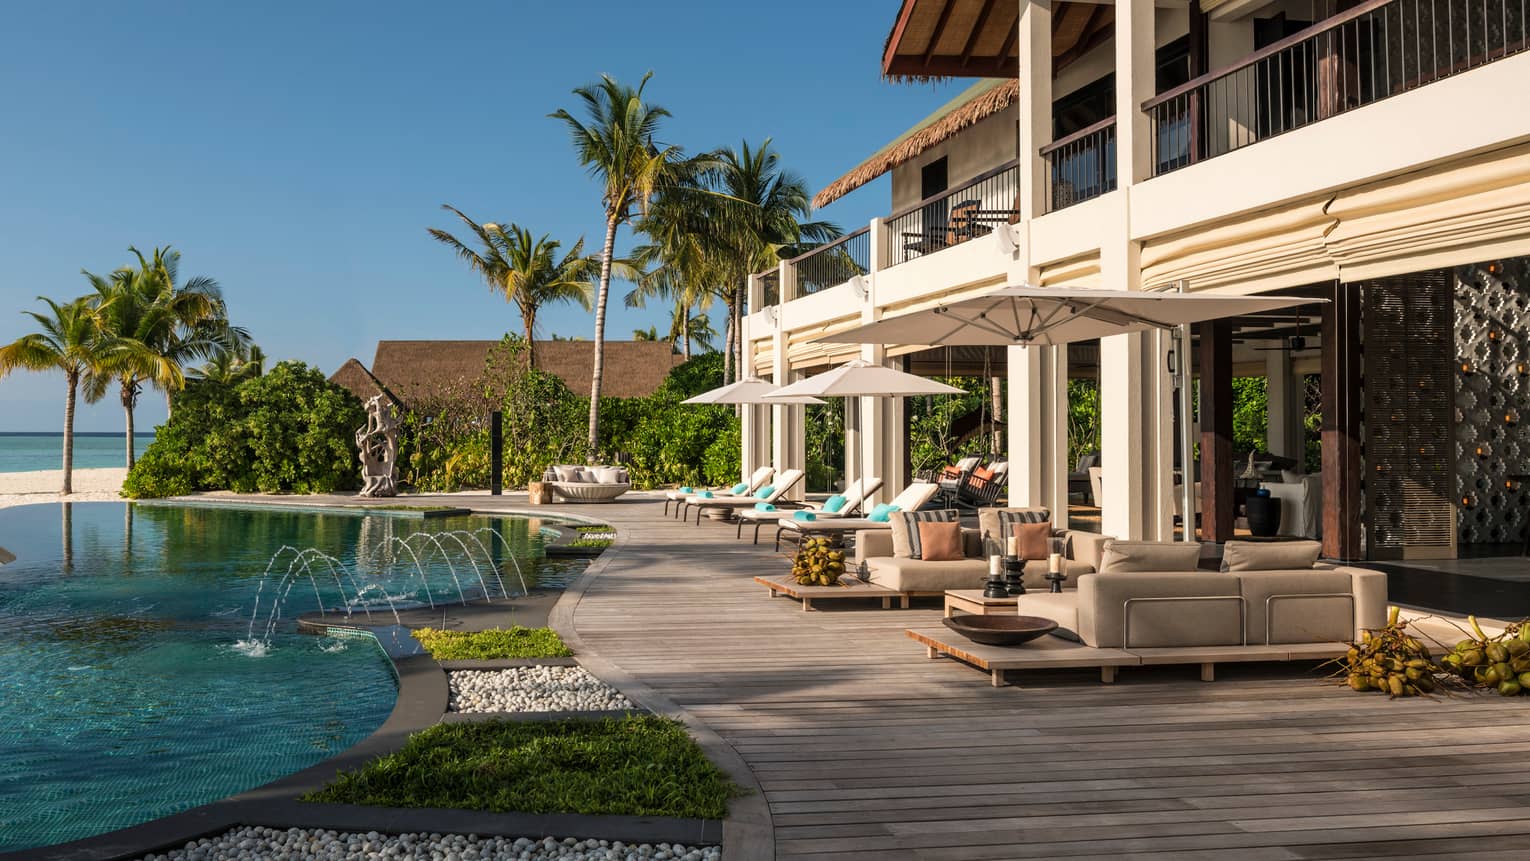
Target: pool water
{"points": [[124, 696]]}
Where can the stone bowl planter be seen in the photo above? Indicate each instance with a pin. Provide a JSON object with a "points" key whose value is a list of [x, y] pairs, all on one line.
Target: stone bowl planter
{"points": [[1000, 630]]}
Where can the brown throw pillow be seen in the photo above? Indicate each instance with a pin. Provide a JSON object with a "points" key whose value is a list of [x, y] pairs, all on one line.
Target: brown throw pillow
{"points": [[1033, 540], [940, 542]]}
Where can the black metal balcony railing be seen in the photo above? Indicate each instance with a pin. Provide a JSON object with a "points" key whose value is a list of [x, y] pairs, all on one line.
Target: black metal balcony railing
{"points": [[1378, 49], [1081, 166], [834, 262], [772, 284], [955, 216]]}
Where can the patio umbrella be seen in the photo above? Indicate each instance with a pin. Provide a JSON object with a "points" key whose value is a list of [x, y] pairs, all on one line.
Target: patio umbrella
{"points": [[860, 378], [1048, 316], [750, 390], [1025, 315]]}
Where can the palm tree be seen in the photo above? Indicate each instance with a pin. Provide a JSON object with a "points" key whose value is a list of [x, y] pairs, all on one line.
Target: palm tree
{"points": [[161, 325], [230, 367], [617, 146], [649, 334], [686, 327], [528, 272], [70, 341], [762, 209]]}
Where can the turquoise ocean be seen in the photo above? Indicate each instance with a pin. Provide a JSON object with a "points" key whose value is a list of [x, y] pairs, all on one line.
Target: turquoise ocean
{"points": [[29, 452]]}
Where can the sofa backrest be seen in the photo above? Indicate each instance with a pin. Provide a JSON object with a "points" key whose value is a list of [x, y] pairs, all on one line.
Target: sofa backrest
{"points": [[1208, 608]]}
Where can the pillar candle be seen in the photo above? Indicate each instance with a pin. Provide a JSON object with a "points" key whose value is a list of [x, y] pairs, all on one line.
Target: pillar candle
{"points": [[995, 567], [1011, 547], [1054, 563]]}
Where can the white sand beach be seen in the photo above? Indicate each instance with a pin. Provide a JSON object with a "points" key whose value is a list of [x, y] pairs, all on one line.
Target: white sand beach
{"points": [[90, 485]]}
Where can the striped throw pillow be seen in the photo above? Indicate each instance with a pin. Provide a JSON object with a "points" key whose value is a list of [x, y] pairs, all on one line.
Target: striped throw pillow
{"points": [[1006, 520], [905, 529]]}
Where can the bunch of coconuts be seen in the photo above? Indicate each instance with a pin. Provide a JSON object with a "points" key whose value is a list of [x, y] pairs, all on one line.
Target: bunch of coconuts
{"points": [[1391, 661], [818, 563], [1501, 662]]}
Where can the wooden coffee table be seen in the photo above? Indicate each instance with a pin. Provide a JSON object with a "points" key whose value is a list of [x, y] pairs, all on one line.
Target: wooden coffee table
{"points": [[972, 601]]}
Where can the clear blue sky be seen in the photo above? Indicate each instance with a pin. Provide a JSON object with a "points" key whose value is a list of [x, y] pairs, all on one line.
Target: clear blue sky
{"points": [[296, 152]]}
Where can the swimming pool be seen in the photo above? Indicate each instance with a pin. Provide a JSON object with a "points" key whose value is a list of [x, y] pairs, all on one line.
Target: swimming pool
{"points": [[129, 689]]}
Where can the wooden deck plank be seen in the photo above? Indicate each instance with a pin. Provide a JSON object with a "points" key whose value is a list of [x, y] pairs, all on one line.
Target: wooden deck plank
{"points": [[865, 748]]}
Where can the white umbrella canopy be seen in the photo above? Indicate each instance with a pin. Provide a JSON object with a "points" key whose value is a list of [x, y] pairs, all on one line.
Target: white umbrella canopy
{"points": [[863, 379], [750, 390], [1025, 315]]}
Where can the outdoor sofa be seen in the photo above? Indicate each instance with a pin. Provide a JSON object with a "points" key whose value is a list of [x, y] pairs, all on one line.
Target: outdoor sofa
{"points": [[914, 577], [587, 483], [1149, 603]]}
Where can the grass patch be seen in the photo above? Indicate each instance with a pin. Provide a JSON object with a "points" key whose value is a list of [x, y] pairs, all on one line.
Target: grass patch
{"points": [[516, 642], [411, 508], [601, 543], [637, 766]]}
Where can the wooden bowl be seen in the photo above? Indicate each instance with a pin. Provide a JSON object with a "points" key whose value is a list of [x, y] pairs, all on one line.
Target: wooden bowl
{"points": [[1000, 630]]}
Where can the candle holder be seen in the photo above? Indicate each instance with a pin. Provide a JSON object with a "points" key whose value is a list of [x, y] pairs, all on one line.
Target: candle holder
{"points": [[1014, 575], [994, 587]]}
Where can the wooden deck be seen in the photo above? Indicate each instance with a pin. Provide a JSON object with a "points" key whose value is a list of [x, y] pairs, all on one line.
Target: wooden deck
{"points": [[866, 748]]}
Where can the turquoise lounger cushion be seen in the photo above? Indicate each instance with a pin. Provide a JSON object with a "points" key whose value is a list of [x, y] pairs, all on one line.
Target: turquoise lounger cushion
{"points": [[765, 492], [804, 515], [706, 494], [687, 489], [882, 513], [834, 503], [741, 487], [764, 506]]}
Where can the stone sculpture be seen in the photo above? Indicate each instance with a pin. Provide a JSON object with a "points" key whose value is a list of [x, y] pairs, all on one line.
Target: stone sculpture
{"points": [[378, 442]]}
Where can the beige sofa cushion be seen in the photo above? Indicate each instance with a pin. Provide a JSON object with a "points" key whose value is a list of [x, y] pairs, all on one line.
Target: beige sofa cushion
{"points": [[1060, 607], [918, 575], [1102, 609], [1129, 556], [1240, 556], [1298, 606], [1370, 588]]}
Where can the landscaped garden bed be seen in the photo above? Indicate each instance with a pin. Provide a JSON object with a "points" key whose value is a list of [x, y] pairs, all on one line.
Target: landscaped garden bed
{"points": [[258, 842], [531, 689], [637, 766], [494, 644]]}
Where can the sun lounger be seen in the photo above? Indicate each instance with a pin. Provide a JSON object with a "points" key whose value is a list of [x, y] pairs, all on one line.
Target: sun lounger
{"points": [[913, 497], [756, 481], [855, 499], [783, 483]]}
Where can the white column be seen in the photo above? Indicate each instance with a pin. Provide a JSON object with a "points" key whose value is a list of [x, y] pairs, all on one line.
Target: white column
{"points": [[1134, 85], [1034, 45], [1027, 426], [788, 443], [754, 421], [1056, 431]]}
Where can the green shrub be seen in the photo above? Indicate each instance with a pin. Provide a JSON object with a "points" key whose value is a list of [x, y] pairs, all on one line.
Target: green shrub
{"points": [[289, 431], [634, 766], [494, 644]]}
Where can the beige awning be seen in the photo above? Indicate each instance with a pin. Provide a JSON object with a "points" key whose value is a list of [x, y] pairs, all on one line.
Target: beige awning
{"points": [[1466, 213], [1081, 271], [1282, 248]]}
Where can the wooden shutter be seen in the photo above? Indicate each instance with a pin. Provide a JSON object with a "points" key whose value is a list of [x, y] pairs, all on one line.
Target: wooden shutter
{"points": [[1408, 343]]}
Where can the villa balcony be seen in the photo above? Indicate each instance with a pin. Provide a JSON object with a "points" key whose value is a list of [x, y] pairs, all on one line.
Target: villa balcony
{"points": [[1081, 166], [956, 216], [1372, 52]]}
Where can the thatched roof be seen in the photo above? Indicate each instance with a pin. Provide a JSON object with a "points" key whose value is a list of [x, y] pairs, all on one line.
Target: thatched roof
{"points": [[353, 375], [932, 40], [412, 369], [976, 103]]}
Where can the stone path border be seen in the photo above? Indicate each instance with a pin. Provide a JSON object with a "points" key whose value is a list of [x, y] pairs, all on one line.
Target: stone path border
{"points": [[421, 703]]}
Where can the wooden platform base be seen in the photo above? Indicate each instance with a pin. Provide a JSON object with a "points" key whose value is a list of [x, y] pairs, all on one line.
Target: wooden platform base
{"points": [[850, 588], [1053, 652]]}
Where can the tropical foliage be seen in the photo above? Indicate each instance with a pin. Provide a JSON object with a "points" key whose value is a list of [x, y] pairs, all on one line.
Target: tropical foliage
{"points": [[287, 431], [527, 272]]}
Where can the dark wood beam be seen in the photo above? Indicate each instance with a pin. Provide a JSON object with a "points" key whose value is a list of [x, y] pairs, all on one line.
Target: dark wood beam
{"points": [[1002, 58], [977, 30], [1341, 404], [940, 30], [1216, 431]]}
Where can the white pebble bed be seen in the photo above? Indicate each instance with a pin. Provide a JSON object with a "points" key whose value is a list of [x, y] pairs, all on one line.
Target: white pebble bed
{"points": [[305, 843], [532, 689]]}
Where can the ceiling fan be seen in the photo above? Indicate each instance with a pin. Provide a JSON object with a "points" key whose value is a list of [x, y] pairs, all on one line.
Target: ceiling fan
{"points": [[1290, 344]]}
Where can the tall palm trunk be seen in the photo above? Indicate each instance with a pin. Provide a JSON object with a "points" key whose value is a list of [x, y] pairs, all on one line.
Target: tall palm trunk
{"points": [[728, 350], [73, 378], [737, 310], [129, 401], [529, 320], [685, 334], [600, 335]]}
